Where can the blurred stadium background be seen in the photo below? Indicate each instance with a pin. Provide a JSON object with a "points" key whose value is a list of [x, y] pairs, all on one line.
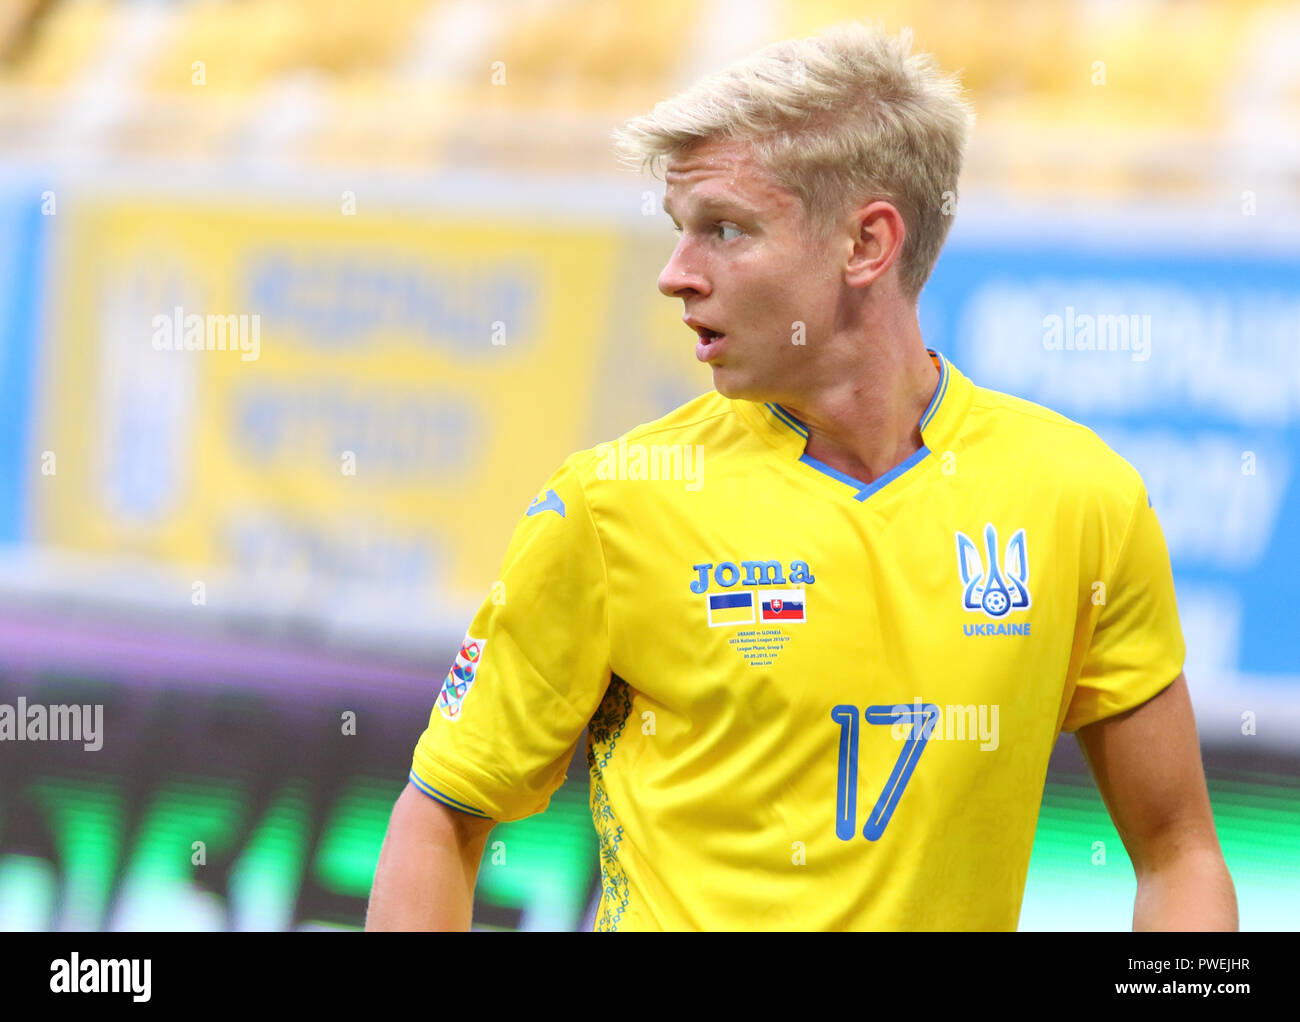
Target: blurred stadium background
{"points": [[455, 287]]}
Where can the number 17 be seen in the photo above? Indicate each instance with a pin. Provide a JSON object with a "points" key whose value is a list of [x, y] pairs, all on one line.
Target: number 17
{"points": [[922, 718]]}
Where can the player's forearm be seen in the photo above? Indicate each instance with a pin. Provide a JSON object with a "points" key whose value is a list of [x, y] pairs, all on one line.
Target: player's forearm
{"points": [[420, 886], [1191, 892], [426, 873]]}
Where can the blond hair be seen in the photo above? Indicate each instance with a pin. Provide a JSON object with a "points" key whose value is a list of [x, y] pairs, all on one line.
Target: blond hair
{"points": [[837, 118]]}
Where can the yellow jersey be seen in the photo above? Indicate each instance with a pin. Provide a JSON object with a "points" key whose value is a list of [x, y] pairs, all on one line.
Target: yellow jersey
{"points": [[811, 703]]}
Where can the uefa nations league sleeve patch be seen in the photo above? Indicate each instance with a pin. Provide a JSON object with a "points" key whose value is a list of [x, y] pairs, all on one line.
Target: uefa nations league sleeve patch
{"points": [[461, 677]]}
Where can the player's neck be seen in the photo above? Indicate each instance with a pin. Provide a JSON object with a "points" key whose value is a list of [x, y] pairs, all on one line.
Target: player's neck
{"points": [[865, 422]]}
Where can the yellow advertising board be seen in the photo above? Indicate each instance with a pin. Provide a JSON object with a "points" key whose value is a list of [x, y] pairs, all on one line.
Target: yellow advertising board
{"points": [[291, 393]]}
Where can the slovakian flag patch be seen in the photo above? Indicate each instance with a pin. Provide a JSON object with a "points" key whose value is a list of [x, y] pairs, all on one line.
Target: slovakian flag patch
{"points": [[782, 605], [461, 677]]}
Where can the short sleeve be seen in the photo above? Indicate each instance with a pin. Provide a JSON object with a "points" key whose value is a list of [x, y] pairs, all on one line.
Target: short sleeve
{"points": [[531, 670], [1136, 647]]}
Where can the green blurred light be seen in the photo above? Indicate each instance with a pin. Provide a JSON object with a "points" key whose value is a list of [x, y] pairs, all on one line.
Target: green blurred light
{"points": [[28, 894], [351, 840], [1259, 832], [264, 881], [549, 863], [549, 860], [157, 891], [88, 816]]}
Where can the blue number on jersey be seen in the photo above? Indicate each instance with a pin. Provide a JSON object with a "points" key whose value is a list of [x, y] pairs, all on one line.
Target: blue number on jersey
{"points": [[922, 719]]}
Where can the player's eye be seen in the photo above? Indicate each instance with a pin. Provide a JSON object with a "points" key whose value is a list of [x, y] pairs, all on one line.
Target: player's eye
{"points": [[724, 228]]}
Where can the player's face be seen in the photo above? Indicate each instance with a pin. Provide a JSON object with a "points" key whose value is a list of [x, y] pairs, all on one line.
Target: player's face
{"points": [[743, 269]]}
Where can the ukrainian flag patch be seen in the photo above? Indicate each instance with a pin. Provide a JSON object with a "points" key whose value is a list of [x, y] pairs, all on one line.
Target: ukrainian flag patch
{"points": [[731, 608]]}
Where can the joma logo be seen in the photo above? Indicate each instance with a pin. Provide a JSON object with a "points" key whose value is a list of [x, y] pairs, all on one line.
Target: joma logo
{"points": [[755, 573]]}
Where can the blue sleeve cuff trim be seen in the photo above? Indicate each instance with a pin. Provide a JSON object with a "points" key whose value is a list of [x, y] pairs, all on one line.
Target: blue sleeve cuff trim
{"points": [[446, 800]]}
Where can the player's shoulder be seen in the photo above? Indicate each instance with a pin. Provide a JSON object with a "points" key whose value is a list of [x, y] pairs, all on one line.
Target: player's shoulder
{"points": [[608, 476], [709, 416], [1050, 446], [701, 415]]}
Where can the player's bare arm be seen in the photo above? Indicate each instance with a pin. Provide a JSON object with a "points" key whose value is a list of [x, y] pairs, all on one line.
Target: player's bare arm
{"points": [[427, 867], [1147, 765]]}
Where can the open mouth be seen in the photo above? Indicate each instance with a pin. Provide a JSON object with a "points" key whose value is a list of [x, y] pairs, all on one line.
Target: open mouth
{"points": [[708, 339]]}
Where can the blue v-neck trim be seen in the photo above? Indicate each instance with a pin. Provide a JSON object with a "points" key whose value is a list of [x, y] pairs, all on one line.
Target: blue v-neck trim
{"points": [[865, 490], [788, 419], [939, 392]]}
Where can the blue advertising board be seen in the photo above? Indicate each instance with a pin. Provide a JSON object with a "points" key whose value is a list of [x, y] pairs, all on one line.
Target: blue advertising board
{"points": [[22, 237]]}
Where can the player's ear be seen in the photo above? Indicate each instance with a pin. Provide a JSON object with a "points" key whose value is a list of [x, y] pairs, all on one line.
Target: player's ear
{"points": [[877, 233]]}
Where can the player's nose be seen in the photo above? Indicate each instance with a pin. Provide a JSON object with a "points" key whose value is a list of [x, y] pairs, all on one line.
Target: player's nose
{"points": [[682, 274]]}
